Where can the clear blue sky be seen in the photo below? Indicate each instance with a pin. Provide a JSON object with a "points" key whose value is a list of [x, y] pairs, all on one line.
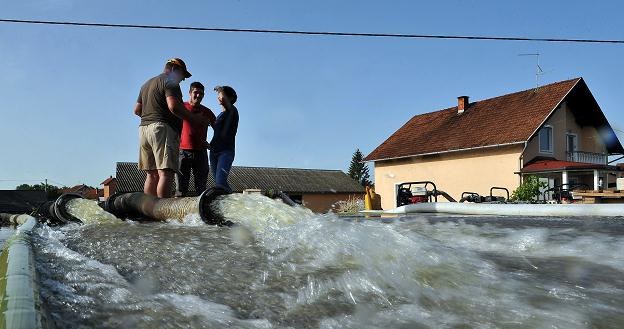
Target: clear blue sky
{"points": [[304, 101]]}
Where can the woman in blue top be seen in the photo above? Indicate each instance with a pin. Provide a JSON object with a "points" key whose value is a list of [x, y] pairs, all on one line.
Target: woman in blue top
{"points": [[223, 140]]}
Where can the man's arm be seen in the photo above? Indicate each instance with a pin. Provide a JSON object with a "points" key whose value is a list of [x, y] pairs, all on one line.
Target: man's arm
{"points": [[178, 109], [138, 109]]}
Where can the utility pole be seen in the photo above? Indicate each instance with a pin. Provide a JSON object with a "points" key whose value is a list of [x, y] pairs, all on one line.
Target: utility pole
{"points": [[45, 186]]}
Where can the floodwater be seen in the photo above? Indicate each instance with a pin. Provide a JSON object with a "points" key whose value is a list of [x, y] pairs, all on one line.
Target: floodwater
{"points": [[286, 267], [5, 234]]}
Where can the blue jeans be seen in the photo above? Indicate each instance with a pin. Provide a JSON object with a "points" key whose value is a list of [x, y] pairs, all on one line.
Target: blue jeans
{"points": [[221, 163], [196, 161]]}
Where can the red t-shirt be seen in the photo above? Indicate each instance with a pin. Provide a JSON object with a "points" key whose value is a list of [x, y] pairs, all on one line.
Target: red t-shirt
{"points": [[193, 136]]}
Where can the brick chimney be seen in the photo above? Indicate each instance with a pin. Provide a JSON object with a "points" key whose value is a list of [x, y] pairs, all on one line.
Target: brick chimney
{"points": [[462, 104]]}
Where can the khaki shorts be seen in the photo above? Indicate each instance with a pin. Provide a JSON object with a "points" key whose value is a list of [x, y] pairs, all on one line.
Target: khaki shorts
{"points": [[158, 147]]}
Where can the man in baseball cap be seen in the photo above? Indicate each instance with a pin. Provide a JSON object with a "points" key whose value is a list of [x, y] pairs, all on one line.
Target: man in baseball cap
{"points": [[161, 110], [179, 63]]}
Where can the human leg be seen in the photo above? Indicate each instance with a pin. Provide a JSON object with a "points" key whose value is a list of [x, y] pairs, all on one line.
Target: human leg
{"points": [[165, 145], [224, 164], [151, 182], [147, 161], [200, 170], [214, 160], [184, 172], [165, 183]]}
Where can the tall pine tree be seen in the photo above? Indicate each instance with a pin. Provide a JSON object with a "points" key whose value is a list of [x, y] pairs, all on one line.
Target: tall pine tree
{"points": [[358, 169]]}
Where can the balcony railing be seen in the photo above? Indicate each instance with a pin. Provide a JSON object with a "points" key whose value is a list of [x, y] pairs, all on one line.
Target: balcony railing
{"points": [[587, 157]]}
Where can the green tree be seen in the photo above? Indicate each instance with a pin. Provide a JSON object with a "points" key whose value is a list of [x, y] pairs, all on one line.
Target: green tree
{"points": [[52, 191], [358, 170], [528, 190]]}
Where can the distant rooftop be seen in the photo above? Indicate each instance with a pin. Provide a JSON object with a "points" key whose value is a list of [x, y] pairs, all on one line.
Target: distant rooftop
{"points": [[84, 190]]}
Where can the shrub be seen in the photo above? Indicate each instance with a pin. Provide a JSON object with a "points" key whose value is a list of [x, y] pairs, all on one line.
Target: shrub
{"points": [[528, 190], [352, 205]]}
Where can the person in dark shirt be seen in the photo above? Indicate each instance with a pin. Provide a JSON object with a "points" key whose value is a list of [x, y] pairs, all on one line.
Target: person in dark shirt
{"points": [[193, 144], [222, 145], [161, 110]]}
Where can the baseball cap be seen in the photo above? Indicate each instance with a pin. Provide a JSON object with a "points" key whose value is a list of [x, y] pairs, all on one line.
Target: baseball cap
{"points": [[180, 63]]}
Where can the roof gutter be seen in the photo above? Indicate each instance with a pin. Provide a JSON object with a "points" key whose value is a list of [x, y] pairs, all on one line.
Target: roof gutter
{"points": [[450, 151], [520, 161]]}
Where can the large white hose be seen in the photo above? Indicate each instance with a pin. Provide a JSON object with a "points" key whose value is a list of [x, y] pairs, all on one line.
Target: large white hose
{"points": [[510, 209], [20, 306]]}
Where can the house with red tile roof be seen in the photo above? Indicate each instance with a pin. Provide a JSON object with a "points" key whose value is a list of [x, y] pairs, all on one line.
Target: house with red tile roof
{"points": [[556, 132], [85, 191], [110, 186]]}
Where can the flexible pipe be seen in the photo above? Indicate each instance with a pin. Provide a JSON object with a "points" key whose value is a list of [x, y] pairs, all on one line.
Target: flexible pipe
{"points": [[137, 204], [55, 212], [20, 306], [606, 210]]}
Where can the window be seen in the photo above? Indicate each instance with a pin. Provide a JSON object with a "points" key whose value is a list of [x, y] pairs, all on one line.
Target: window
{"points": [[572, 143], [545, 140]]}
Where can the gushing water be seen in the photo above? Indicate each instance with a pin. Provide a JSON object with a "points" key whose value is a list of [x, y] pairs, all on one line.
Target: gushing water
{"points": [[89, 212], [259, 213], [286, 267]]}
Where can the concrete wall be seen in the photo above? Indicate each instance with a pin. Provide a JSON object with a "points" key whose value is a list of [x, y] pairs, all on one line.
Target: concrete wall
{"points": [[454, 173], [591, 141], [322, 203]]}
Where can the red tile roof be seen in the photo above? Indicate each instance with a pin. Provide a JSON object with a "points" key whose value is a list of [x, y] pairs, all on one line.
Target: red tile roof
{"points": [[74, 189], [108, 180], [93, 194], [84, 190], [506, 119]]}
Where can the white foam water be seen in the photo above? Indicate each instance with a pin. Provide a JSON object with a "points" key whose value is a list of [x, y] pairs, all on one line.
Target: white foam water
{"points": [[285, 267], [260, 213]]}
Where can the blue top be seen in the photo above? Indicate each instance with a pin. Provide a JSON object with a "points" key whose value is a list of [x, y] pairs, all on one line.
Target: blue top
{"points": [[225, 131]]}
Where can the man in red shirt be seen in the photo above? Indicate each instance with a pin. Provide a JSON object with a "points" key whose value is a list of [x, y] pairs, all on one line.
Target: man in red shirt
{"points": [[193, 144]]}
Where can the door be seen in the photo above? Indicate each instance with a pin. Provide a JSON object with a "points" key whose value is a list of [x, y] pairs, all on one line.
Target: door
{"points": [[571, 148]]}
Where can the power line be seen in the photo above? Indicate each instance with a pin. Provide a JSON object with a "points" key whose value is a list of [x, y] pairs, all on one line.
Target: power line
{"points": [[22, 180], [31, 180], [313, 33]]}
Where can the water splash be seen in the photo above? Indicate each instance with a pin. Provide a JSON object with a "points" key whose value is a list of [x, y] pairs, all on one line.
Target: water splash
{"points": [[192, 219], [285, 267], [259, 213], [89, 212]]}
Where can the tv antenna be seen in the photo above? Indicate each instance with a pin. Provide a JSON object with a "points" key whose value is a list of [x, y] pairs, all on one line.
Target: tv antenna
{"points": [[538, 68]]}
